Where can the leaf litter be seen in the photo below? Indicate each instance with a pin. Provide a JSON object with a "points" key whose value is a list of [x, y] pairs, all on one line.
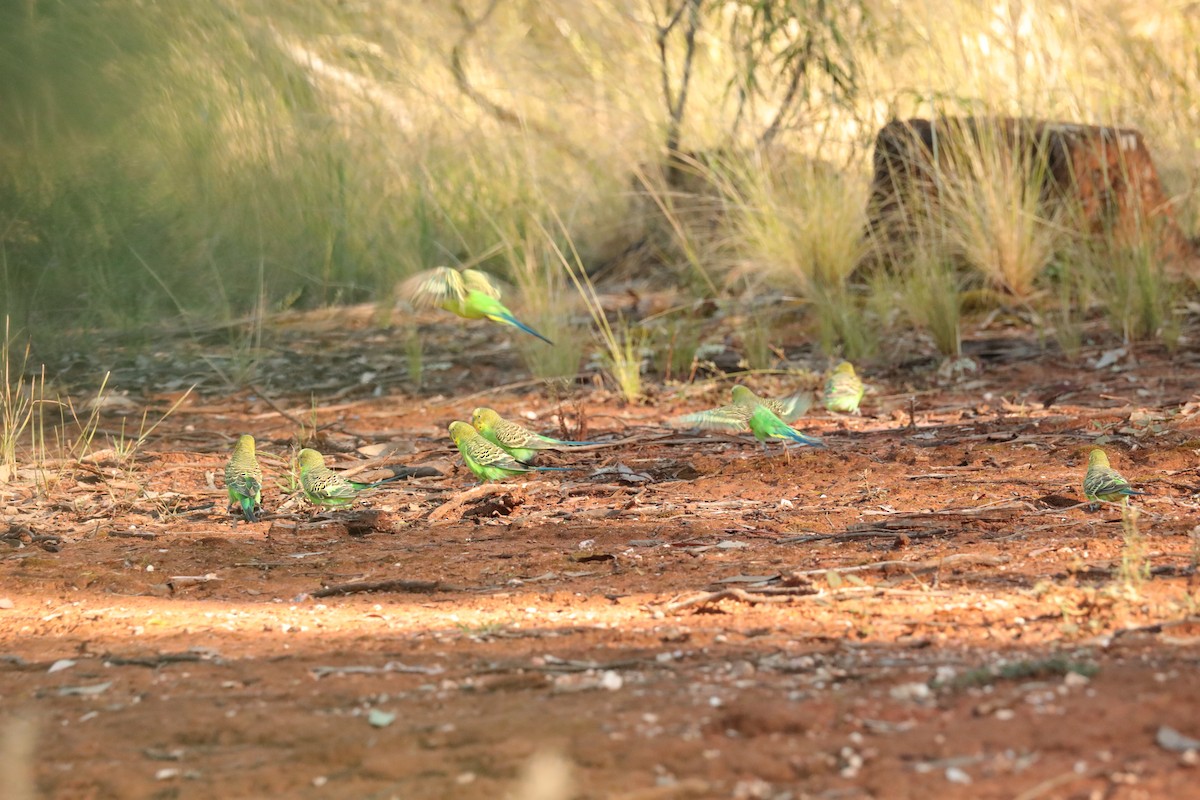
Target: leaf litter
{"points": [[720, 638]]}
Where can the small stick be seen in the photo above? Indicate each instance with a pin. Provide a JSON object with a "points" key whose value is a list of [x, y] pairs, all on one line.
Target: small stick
{"points": [[874, 533], [396, 585], [470, 496], [915, 567], [705, 598]]}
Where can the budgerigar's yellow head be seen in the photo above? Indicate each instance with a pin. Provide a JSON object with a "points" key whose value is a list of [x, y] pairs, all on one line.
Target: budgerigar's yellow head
{"points": [[460, 431], [484, 418], [742, 395], [844, 368], [310, 458], [245, 444], [1097, 458]]}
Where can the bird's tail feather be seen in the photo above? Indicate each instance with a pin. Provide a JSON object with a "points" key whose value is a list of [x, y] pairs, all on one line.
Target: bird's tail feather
{"points": [[805, 440], [247, 504], [364, 486], [511, 320], [543, 469]]}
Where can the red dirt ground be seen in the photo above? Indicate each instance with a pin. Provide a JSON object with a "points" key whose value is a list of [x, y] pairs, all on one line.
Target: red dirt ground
{"points": [[920, 610]]}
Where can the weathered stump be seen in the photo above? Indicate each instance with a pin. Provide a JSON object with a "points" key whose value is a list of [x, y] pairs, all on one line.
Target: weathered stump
{"points": [[1102, 179]]}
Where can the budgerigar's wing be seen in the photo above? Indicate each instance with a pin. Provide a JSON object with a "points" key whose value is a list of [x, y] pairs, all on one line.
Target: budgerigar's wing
{"points": [[433, 287], [325, 483], [733, 417], [245, 485], [514, 435], [776, 406], [1101, 481], [794, 406], [475, 281], [488, 454]]}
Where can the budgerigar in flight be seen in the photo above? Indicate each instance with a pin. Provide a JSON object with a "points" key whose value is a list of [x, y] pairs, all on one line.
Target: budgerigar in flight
{"points": [[488, 461], [1102, 482], [324, 487], [469, 293], [844, 390], [243, 478], [514, 438], [766, 424], [736, 415]]}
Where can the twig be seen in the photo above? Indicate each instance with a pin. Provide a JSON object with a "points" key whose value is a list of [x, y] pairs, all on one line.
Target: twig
{"points": [[872, 533], [1156, 627], [917, 567], [154, 662], [470, 496], [461, 400], [707, 598], [276, 408], [189, 580], [1056, 782], [396, 585]]}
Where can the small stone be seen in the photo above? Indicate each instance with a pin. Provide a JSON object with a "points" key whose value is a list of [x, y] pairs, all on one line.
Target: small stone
{"points": [[380, 719], [956, 775], [914, 692], [1074, 680], [611, 680]]}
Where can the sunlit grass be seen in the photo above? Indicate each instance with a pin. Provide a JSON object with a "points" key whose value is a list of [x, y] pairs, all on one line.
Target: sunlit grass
{"points": [[547, 303], [18, 397], [1135, 558], [126, 444], [930, 294], [675, 338], [621, 348], [1132, 287], [990, 207], [224, 162]]}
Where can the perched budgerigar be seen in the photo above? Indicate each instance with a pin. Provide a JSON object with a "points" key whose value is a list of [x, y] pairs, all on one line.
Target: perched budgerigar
{"points": [[488, 461], [324, 487], [469, 293], [766, 424], [514, 438], [1102, 482], [843, 390], [243, 478], [736, 415]]}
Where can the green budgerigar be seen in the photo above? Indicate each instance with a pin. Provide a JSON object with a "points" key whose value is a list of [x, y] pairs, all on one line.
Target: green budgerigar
{"points": [[469, 293], [243, 478], [1102, 482], [736, 415], [766, 424], [514, 438], [488, 461], [324, 487], [844, 390]]}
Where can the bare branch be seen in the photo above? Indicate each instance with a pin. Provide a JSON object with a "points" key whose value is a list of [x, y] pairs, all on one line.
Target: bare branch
{"points": [[505, 115]]}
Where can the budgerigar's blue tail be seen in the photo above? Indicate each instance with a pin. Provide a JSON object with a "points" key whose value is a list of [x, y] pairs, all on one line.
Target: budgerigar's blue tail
{"points": [[516, 323], [804, 440]]}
